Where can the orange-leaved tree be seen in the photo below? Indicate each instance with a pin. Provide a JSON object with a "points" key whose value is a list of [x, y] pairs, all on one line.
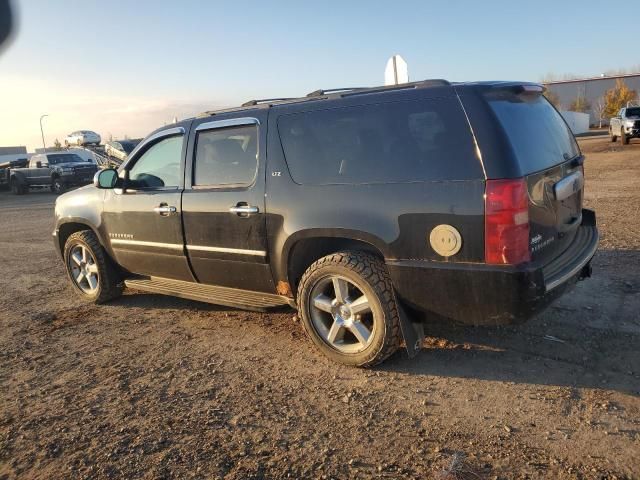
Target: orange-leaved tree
{"points": [[618, 97]]}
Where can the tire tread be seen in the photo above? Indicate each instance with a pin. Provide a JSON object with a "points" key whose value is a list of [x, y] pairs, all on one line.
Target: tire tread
{"points": [[110, 282], [374, 272]]}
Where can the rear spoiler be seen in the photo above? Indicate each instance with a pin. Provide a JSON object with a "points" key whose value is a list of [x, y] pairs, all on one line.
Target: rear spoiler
{"points": [[520, 87]]}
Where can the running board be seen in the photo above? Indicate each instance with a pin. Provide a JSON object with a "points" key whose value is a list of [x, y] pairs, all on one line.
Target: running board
{"points": [[229, 297]]}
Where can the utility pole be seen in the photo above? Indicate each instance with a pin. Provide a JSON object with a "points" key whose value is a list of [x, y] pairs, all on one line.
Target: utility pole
{"points": [[42, 133]]}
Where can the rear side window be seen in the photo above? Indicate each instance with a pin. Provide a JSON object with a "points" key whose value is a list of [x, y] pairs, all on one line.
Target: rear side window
{"points": [[383, 143], [538, 135], [226, 156]]}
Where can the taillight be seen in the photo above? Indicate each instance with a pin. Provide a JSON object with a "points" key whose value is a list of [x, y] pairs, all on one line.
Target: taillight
{"points": [[506, 228]]}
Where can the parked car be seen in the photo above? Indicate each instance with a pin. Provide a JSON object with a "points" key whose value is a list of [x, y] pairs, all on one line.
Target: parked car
{"points": [[625, 125], [120, 148], [57, 171], [5, 170], [355, 207], [82, 137]]}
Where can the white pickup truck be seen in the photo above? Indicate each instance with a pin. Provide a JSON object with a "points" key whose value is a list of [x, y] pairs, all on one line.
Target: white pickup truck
{"points": [[625, 125]]}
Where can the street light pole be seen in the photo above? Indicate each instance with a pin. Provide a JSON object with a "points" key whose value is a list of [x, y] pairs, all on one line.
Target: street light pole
{"points": [[42, 133]]}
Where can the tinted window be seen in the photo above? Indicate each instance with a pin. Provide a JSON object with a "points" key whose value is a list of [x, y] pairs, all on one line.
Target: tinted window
{"points": [[633, 112], [63, 158], [128, 146], [392, 142], [226, 156], [159, 166], [539, 136]]}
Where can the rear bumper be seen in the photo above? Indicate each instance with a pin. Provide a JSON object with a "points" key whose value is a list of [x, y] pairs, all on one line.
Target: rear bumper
{"points": [[481, 294]]}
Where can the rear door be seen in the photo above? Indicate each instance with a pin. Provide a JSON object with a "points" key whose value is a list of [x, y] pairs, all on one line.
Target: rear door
{"points": [[39, 175], [550, 159], [223, 205]]}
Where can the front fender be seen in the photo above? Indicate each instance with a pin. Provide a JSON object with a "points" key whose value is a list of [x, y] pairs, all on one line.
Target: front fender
{"points": [[81, 207]]}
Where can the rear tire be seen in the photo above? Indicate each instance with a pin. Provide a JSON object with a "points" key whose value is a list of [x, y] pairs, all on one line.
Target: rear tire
{"points": [[613, 137], [18, 189], [348, 308], [58, 186], [92, 274]]}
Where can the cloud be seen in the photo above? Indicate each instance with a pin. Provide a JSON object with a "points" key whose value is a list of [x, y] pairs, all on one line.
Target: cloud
{"points": [[24, 99]]}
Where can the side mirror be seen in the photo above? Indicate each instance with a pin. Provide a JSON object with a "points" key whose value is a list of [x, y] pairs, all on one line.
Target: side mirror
{"points": [[106, 179], [38, 164]]}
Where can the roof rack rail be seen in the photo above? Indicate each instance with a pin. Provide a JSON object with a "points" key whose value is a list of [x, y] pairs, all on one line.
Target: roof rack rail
{"points": [[319, 93], [251, 103]]}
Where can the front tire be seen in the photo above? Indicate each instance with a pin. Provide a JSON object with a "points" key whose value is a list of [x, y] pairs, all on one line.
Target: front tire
{"points": [[90, 270], [614, 138], [348, 308], [624, 137]]}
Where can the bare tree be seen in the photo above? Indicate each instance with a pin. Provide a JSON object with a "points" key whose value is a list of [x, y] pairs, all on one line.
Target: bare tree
{"points": [[598, 110], [553, 98], [580, 104]]}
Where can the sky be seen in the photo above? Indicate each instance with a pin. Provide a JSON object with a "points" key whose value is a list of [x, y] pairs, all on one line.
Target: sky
{"points": [[127, 67]]}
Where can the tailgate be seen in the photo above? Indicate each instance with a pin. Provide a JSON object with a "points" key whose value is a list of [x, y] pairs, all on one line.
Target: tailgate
{"points": [[555, 209], [550, 161]]}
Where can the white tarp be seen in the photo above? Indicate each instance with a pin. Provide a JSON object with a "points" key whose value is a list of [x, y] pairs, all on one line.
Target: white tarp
{"points": [[578, 122]]}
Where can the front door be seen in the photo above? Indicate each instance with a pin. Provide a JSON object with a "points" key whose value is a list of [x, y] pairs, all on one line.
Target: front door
{"points": [[223, 203], [142, 221]]}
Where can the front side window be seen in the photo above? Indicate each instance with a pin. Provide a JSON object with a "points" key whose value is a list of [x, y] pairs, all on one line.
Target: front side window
{"points": [[159, 166], [226, 156]]}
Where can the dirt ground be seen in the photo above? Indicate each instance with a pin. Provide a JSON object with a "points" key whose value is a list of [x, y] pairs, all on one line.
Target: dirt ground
{"points": [[156, 387]]}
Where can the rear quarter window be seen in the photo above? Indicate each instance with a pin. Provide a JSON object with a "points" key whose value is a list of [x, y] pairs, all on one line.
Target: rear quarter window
{"points": [[410, 141]]}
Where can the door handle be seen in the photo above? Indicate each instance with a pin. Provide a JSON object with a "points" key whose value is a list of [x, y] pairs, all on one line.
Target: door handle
{"points": [[244, 210], [164, 209]]}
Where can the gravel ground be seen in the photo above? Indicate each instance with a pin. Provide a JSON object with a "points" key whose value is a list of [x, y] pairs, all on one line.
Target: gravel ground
{"points": [[156, 387]]}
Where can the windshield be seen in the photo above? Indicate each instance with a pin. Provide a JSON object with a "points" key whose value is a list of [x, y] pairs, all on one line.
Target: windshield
{"points": [[128, 146], [538, 134], [64, 158], [633, 112]]}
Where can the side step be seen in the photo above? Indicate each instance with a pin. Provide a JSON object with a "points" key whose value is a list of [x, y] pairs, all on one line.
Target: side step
{"points": [[229, 297]]}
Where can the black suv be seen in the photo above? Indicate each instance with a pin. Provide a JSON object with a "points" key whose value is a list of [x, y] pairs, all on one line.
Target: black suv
{"points": [[357, 207]]}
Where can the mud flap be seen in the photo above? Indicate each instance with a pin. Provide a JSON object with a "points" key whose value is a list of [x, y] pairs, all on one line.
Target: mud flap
{"points": [[412, 332]]}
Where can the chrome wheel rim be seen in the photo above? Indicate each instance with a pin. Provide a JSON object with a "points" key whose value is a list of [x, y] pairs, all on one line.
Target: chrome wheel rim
{"points": [[84, 269], [341, 314]]}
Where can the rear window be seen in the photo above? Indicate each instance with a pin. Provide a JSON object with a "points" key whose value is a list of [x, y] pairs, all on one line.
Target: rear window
{"points": [[539, 136], [382, 143]]}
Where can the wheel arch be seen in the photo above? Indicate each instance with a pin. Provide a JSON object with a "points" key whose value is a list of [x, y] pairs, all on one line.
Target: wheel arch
{"points": [[17, 177], [307, 247], [71, 226]]}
